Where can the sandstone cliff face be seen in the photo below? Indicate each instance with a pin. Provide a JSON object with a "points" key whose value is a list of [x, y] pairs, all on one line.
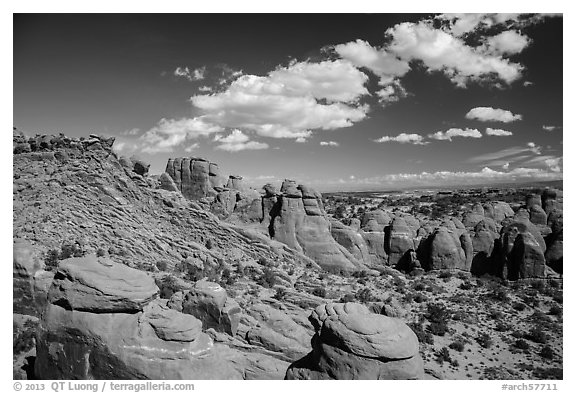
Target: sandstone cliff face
{"points": [[299, 221], [195, 177], [522, 251]]}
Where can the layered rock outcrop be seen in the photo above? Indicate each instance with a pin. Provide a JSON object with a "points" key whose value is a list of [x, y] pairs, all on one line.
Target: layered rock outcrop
{"points": [[100, 285], [352, 241], [400, 240], [522, 251], [104, 321], [30, 281], [195, 177], [304, 226], [352, 343], [209, 302], [447, 248]]}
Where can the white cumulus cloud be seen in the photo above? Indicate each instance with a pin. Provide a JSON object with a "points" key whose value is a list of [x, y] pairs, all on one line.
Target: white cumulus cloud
{"points": [[289, 102], [440, 51], [508, 42], [190, 74], [497, 132], [238, 141], [329, 143], [456, 132], [169, 133], [403, 138], [486, 113]]}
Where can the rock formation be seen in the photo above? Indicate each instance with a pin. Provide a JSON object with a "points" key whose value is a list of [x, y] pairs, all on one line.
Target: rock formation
{"points": [[195, 177], [209, 303], [353, 343], [522, 251], [94, 284], [353, 242], [30, 280], [304, 227], [105, 322], [400, 240], [448, 250]]}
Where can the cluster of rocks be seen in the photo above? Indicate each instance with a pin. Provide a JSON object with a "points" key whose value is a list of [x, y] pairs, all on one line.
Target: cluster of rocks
{"points": [[350, 342], [46, 143], [481, 241], [294, 215], [491, 238], [103, 320]]}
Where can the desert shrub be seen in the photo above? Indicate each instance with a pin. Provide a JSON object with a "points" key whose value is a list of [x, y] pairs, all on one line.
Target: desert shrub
{"points": [[267, 279], [347, 298], [209, 271], [365, 295], [420, 298], [500, 294], [168, 286], [319, 291], [457, 345], [70, 250], [460, 316], [437, 313], [547, 352], [537, 335], [423, 336], [100, 252], [521, 344], [551, 373], [162, 266], [518, 334], [502, 326], [227, 278], [443, 355], [466, 285], [484, 340], [51, 259], [67, 250], [438, 328], [280, 293], [360, 274], [555, 310], [24, 340], [531, 300]]}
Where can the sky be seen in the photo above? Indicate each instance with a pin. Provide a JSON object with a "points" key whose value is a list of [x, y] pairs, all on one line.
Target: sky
{"points": [[335, 101]]}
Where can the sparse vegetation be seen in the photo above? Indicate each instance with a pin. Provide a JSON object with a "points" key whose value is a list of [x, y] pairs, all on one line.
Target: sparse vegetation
{"points": [[484, 340], [25, 339], [67, 250]]}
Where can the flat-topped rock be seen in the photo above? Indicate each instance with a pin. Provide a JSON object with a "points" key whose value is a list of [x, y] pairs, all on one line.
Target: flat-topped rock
{"points": [[98, 284]]}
